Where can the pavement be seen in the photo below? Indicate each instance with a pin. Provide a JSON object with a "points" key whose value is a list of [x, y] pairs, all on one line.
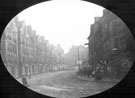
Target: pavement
{"points": [[35, 77], [91, 79]]}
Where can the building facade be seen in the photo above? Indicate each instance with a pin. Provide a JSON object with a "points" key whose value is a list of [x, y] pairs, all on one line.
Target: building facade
{"points": [[9, 44], [26, 53], [110, 41], [23, 51]]}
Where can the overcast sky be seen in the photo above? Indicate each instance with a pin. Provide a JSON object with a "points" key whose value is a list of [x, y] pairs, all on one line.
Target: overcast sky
{"points": [[64, 22]]}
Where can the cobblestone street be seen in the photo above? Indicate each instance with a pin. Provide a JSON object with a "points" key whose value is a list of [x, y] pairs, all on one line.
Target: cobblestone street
{"points": [[66, 84]]}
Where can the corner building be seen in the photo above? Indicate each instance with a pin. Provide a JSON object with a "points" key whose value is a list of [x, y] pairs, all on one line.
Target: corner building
{"points": [[111, 45]]}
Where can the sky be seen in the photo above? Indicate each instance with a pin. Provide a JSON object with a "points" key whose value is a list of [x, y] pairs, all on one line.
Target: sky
{"points": [[64, 22]]}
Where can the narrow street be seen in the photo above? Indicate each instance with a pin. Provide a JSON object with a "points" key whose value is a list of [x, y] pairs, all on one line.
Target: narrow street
{"points": [[58, 45], [65, 84]]}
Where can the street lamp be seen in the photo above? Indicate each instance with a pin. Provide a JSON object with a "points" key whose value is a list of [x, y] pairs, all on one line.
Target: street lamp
{"points": [[78, 59]]}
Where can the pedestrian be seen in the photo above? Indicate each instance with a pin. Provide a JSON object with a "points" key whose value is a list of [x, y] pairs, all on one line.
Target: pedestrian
{"points": [[24, 81]]}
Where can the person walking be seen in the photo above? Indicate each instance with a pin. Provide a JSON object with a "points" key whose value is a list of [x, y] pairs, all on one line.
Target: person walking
{"points": [[24, 81]]}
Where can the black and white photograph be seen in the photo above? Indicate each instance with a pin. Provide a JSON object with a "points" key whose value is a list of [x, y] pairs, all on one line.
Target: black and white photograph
{"points": [[67, 48]]}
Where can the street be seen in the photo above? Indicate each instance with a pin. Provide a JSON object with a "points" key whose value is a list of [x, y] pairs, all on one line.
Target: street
{"points": [[65, 84], [65, 56]]}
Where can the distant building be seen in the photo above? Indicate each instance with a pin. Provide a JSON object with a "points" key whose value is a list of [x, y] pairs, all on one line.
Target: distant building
{"points": [[76, 55]]}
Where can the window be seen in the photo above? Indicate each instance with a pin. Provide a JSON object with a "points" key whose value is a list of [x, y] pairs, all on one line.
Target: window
{"points": [[105, 26], [8, 30], [14, 36]]}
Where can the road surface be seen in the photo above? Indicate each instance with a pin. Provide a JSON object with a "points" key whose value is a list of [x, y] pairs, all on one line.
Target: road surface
{"points": [[65, 84]]}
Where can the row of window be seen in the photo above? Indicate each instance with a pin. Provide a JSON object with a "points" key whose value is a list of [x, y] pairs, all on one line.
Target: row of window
{"points": [[30, 59], [11, 47], [27, 58], [24, 59], [11, 58], [11, 34]]}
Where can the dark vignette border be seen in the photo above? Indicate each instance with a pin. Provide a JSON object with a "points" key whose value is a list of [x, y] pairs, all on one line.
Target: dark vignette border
{"points": [[9, 88]]}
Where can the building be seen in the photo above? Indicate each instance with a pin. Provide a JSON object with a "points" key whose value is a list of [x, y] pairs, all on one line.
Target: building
{"points": [[9, 44], [20, 49], [26, 53], [110, 41]]}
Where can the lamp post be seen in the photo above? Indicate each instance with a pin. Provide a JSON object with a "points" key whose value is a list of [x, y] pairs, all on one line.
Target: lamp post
{"points": [[78, 59]]}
